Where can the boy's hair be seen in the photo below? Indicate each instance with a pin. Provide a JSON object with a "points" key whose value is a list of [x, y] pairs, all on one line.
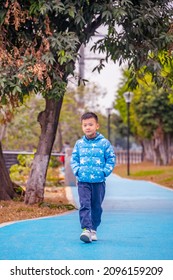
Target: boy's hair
{"points": [[89, 115]]}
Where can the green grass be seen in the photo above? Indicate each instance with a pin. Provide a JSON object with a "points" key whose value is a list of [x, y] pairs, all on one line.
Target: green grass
{"points": [[147, 173], [170, 179]]}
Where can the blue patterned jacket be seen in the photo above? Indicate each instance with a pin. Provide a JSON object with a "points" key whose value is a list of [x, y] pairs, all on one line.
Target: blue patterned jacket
{"points": [[92, 159]]}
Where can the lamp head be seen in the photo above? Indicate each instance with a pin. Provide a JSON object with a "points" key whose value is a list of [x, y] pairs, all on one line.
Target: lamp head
{"points": [[128, 96]]}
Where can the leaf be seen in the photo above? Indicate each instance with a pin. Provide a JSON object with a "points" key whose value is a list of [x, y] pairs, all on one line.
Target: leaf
{"points": [[48, 58], [3, 100], [72, 12]]}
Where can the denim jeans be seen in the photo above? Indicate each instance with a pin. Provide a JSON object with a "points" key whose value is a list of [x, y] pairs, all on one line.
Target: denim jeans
{"points": [[91, 196]]}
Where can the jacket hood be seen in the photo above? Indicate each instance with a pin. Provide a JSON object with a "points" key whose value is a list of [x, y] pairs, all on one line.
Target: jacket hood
{"points": [[98, 137]]}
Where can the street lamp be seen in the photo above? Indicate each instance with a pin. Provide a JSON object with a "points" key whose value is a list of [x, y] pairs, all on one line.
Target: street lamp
{"points": [[108, 126], [128, 98]]}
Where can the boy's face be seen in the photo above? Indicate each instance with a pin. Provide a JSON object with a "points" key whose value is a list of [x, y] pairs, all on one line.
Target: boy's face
{"points": [[89, 127]]}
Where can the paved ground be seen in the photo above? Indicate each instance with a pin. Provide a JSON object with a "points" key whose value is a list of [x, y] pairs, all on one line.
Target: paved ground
{"points": [[137, 224]]}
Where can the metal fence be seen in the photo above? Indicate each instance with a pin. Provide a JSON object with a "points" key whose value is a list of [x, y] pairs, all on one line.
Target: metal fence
{"points": [[10, 157], [134, 156]]}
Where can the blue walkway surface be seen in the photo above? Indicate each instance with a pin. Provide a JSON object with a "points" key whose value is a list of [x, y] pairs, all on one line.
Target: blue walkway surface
{"points": [[137, 224]]}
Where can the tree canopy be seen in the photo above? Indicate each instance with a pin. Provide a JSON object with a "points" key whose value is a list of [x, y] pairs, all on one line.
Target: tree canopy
{"points": [[151, 113], [140, 27], [39, 40], [39, 44]]}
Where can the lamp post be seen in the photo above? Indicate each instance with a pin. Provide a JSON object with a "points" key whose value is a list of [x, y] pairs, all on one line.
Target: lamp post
{"points": [[108, 125], [128, 98]]}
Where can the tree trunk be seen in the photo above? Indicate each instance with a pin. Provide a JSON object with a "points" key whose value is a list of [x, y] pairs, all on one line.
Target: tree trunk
{"points": [[158, 150], [147, 150], [2, 131], [161, 147], [165, 149], [6, 185], [48, 120]]}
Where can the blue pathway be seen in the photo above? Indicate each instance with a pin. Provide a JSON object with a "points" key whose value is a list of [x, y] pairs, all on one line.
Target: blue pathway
{"points": [[137, 224]]}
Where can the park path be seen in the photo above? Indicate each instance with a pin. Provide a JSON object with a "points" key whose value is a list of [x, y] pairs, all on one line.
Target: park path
{"points": [[137, 224]]}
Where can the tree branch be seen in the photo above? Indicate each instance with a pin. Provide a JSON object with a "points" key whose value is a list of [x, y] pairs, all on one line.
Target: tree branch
{"points": [[91, 28]]}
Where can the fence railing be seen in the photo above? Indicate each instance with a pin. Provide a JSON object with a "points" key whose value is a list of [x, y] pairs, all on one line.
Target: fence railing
{"points": [[10, 157], [134, 156]]}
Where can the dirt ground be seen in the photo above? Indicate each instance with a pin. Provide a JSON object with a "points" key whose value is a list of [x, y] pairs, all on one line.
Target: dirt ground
{"points": [[55, 203]]}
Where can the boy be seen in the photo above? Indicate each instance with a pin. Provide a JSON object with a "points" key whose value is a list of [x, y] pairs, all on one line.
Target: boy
{"points": [[92, 160]]}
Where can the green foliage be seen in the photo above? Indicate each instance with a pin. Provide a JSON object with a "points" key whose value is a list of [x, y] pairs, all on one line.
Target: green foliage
{"points": [[19, 191], [57, 206], [40, 40], [22, 133], [19, 172], [138, 31], [150, 107], [54, 162], [153, 109], [25, 160]]}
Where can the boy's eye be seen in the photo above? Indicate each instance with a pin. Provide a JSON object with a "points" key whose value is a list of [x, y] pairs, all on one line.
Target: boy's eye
{"points": [[89, 124]]}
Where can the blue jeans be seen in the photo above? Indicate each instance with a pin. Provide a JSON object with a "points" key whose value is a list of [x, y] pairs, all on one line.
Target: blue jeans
{"points": [[91, 196]]}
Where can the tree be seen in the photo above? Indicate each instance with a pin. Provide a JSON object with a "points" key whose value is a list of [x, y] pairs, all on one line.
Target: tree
{"points": [[6, 186], [142, 27], [154, 112], [151, 116], [39, 45]]}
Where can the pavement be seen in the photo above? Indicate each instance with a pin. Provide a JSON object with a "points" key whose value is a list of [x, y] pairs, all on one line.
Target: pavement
{"points": [[137, 224]]}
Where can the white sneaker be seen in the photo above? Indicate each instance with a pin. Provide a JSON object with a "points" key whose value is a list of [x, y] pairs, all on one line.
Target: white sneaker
{"points": [[86, 236], [93, 235]]}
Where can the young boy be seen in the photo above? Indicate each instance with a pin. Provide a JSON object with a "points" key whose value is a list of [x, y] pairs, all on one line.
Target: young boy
{"points": [[93, 159]]}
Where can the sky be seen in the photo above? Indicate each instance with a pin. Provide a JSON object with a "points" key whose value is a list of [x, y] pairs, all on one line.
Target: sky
{"points": [[109, 77], [108, 80]]}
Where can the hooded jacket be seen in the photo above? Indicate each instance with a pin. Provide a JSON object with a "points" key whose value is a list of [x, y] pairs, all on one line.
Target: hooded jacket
{"points": [[92, 159]]}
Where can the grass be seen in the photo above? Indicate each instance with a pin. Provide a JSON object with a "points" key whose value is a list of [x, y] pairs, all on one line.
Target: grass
{"points": [[148, 173], [162, 175]]}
